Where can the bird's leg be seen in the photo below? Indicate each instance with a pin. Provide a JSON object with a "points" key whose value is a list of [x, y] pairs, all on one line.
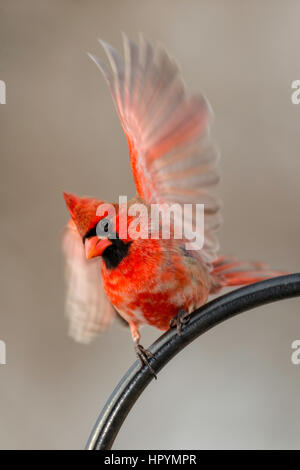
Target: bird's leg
{"points": [[142, 353], [180, 319]]}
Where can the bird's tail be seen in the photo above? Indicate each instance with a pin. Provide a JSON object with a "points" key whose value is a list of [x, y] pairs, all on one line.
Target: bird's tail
{"points": [[229, 271]]}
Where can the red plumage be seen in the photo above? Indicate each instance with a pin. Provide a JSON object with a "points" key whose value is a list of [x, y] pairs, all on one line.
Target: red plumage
{"points": [[149, 281]]}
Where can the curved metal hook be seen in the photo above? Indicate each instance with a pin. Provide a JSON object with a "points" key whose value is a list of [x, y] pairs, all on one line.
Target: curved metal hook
{"points": [[169, 344]]}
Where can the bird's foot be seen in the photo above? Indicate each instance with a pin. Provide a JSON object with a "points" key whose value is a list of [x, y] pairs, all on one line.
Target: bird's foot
{"points": [[179, 320], [143, 356]]}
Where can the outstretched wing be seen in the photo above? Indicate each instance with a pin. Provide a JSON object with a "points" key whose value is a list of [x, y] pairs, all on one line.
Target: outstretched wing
{"points": [[171, 155], [87, 307]]}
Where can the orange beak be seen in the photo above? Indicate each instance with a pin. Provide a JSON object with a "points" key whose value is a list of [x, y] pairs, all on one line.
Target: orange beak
{"points": [[95, 246]]}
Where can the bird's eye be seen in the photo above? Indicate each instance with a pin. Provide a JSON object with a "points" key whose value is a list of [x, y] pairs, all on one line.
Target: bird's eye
{"points": [[104, 228], [103, 225]]}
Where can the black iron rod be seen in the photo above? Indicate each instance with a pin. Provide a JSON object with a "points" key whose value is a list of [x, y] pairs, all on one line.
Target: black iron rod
{"points": [[169, 344]]}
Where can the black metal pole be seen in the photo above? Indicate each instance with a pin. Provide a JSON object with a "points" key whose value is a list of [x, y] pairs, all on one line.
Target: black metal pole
{"points": [[169, 344]]}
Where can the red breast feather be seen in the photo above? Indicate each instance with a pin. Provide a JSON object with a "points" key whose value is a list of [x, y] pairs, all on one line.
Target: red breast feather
{"points": [[154, 281]]}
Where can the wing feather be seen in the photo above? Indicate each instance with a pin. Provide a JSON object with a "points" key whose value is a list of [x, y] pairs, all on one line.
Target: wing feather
{"points": [[172, 157], [87, 307]]}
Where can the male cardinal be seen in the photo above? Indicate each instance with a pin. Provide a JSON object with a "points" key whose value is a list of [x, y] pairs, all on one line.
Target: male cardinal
{"points": [[157, 282]]}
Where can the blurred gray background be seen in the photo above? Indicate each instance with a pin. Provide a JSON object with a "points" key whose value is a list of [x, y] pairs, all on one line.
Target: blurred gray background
{"points": [[235, 387]]}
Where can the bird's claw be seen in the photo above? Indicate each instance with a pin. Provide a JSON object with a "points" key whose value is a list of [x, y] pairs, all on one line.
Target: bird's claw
{"points": [[179, 320], [143, 356]]}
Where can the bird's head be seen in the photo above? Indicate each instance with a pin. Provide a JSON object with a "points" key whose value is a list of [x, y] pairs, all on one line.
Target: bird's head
{"points": [[96, 222]]}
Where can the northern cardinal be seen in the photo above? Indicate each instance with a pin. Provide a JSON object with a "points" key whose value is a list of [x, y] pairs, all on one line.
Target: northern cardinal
{"points": [[150, 281]]}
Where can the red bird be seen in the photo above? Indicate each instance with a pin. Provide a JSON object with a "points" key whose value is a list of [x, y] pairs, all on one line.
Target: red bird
{"points": [[157, 282]]}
